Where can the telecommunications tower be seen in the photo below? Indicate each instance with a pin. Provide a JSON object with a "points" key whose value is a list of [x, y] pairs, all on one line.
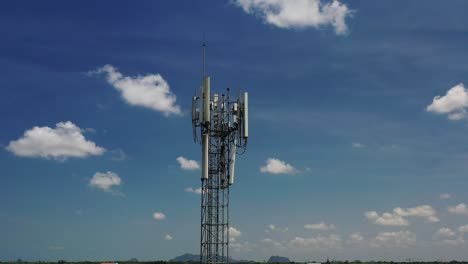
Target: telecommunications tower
{"points": [[223, 125]]}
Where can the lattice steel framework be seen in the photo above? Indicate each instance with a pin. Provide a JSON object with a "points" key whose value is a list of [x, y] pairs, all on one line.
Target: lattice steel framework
{"points": [[214, 247]]}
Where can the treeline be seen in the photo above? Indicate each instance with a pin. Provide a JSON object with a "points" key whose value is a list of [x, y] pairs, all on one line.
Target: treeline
{"points": [[191, 262]]}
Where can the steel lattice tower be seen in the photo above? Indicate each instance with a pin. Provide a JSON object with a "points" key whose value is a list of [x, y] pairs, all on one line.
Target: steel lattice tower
{"points": [[223, 126]]}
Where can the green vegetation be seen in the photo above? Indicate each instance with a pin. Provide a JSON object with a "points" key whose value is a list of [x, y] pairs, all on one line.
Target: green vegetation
{"points": [[167, 262]]}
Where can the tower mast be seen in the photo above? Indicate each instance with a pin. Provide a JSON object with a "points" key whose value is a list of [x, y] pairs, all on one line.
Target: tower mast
{"points": [[223, 126]]}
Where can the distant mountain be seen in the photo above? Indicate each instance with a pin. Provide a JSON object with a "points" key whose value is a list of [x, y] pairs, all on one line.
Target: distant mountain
{"points": [[278, 259], [186, 258], [194, 258]]}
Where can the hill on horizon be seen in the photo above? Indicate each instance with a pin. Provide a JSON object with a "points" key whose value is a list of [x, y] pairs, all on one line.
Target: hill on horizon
{"points": [[278, 259], [187, 257]]}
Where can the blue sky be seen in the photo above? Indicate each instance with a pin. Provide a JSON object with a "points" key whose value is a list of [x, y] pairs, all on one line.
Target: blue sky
{"points": [[364, 162]]}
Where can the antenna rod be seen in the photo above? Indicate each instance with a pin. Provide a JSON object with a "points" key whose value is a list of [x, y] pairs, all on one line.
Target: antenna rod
{"points": [[204, 52]]}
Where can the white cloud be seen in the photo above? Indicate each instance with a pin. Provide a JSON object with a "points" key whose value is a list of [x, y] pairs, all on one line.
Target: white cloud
{"points": [[453, 242], [270, 241], [358, 145], [234, 232], [105, 180], [299, 13], [457, 116], [64, 141], [272, 227], [168, 237], [386, 219], [355, 238], [241, 246], [401, 239], [444, 232], [304, 244], [150, 91], [460, 209], [276, 166], [322, 226], [118, 155], [159, 216], [192, 190], [187, 164], [445, 196], [397, 217], [424, 211], [453, 103], [463, 229], [318, 242]]}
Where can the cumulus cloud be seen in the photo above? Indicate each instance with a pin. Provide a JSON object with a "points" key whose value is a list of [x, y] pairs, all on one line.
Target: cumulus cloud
{"points": [[444, 236], [445, 196], [401, 239], [270, 241], [276, 166], [299, 14], [159, 216], [118, 155], [192, 190], [272, 227], [241, 246], [105, 180], [424, 211], [322, 226], [64, 141], [234, 232], [355, 238], [150, 91], [453, 103], [397, 217], [444, 232], [386, 219], [358, 145], [187, 164], [460, 209], [168, 237], [453, 242], [318, 242], [463, 229]]}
